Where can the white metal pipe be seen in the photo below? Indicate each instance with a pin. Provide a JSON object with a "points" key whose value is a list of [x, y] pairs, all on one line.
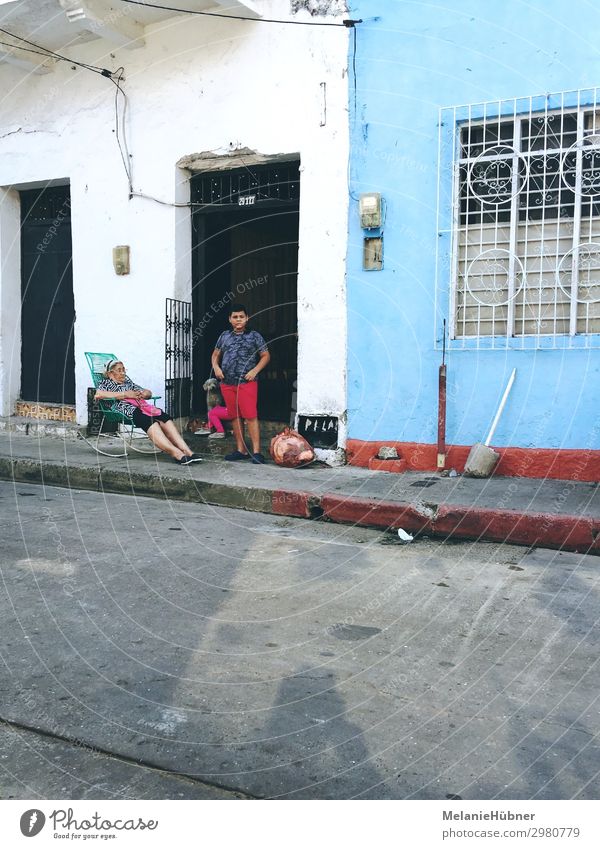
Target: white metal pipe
{"points": [[511, 380]]}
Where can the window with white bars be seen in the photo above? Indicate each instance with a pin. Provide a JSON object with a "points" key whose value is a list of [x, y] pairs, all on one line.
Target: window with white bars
{"points": [[526, 223]]}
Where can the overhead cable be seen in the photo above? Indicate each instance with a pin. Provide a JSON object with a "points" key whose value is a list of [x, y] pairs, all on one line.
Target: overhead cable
{"points": [[51, 54], [345, 23], [28, 49]]}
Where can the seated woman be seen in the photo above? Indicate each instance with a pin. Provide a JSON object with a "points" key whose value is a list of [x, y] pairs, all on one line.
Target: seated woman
{"points": [[132, 401]]}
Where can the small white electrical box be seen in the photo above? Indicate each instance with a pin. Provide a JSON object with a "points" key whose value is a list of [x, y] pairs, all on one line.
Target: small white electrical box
{"points": [[369, 208]]}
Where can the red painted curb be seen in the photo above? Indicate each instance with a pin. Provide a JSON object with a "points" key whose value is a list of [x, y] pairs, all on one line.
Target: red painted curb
{"points": [[549, 530], [379, 514], [292, 503]]}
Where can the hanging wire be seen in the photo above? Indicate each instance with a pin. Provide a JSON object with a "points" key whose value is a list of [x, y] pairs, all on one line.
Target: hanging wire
{"points": [[123, 149], [345, 23], [354, 65], [116, 77], [26, 49], [354, 85], [51, 54]]}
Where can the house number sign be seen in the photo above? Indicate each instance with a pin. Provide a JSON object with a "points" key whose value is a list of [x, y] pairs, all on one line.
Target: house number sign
{"points": [[246, 200]]}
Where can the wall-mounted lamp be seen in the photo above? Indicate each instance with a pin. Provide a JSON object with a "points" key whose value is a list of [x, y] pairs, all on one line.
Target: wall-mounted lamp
{"points": [[121, 259], [369, 209]]}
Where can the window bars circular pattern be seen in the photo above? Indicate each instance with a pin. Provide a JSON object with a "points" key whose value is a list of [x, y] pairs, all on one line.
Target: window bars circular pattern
{"points": [[492, 183]]}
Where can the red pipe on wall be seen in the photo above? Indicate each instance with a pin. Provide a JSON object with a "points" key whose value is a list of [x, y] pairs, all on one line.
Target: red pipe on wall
{"points": [[441, 440]]}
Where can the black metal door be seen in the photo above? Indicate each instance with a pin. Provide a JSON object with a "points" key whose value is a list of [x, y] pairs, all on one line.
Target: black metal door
{"points": [[48, 310], [245, 248]]}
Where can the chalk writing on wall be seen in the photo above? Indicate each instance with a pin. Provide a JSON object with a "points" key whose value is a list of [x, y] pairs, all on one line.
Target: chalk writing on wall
{"points": [[320, 431]]}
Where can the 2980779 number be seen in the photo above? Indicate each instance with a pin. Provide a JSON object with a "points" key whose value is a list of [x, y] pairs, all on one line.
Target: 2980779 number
{"points": [[554, 832]]}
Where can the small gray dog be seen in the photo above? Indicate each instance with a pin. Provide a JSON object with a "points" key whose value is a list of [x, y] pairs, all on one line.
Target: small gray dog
{"points": [[213, 394], [213, 399]]}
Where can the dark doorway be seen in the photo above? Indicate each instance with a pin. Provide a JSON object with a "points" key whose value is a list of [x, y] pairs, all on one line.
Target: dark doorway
{"points": [[245, 249], [47, 312]]}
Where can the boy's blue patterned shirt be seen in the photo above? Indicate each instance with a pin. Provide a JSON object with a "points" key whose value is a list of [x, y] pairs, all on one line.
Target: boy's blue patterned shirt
{"points": [[240, 353]]}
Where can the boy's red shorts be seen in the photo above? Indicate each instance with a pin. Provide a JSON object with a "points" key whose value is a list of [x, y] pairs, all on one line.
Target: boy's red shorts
{"points": [[241, 400]]}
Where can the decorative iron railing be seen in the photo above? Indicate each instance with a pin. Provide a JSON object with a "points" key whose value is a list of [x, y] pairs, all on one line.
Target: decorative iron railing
{"points": [[178, 357]]}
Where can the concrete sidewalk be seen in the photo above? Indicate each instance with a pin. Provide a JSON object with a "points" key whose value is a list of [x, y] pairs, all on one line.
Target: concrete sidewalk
{"points": [[548, 513]]}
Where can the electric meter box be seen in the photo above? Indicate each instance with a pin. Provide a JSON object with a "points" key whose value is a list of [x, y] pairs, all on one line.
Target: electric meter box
{"points": [[369, 208]]}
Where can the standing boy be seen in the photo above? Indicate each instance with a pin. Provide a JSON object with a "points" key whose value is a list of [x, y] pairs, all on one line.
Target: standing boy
{"points": [[239, 355]]}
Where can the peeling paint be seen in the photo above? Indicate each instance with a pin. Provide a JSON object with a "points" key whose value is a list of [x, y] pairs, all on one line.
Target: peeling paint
{"points": [[319, 7], [209, 160]]}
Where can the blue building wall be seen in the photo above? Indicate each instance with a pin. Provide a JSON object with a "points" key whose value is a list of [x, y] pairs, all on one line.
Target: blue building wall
{"points": [[410, 60]]}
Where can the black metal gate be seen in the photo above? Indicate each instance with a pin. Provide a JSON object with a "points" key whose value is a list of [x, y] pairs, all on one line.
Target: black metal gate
{"points": [[178, 357]]}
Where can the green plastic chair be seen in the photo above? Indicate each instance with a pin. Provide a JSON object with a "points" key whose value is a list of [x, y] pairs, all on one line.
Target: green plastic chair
{"points": [[128, 432]]}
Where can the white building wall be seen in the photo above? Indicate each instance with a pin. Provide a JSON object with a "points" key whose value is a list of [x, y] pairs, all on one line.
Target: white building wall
{"points": [[197, 85]]}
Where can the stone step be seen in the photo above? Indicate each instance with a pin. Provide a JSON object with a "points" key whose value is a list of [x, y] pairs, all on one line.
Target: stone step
{"points": [[67, 430], [38, 427], [219, 447]]}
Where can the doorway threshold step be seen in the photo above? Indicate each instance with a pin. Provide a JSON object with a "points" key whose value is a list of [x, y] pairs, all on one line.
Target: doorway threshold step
{"points": [[37, 427]]}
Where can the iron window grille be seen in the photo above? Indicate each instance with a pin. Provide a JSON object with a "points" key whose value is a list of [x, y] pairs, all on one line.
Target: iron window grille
{"points": [[523, 242], [260, 183]]}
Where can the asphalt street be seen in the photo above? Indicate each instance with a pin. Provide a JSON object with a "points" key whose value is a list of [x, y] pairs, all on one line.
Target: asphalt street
{"points": [[161, 649]]}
